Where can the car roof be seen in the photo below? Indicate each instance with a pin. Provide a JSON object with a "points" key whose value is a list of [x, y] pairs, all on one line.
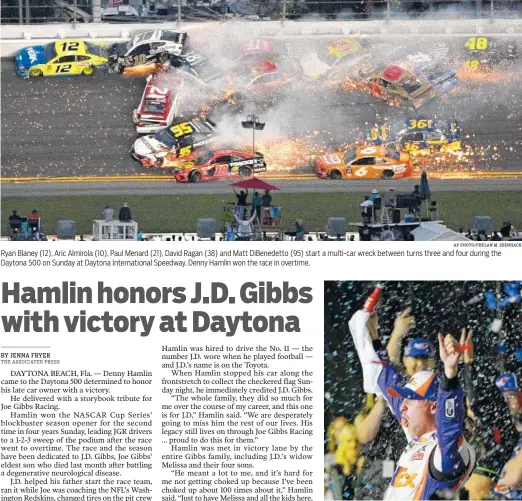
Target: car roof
{"points": [[380, 151], [82, 47], [395, 73], [155, 35], [229, 152]]}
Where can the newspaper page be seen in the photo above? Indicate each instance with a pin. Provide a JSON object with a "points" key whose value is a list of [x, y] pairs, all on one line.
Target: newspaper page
{"points": [[160, 382]]}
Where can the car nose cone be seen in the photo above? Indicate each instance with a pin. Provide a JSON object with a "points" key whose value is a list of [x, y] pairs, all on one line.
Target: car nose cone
{"points": [[141, 147]]}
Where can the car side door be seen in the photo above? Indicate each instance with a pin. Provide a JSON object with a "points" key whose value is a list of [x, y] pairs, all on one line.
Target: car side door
{"points": [[361, 166], [219, 166], [413, 141], [137, 55], [63, 65]]}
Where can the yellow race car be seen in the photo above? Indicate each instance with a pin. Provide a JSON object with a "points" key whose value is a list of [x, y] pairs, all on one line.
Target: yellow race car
{"points": [[62, 58]]}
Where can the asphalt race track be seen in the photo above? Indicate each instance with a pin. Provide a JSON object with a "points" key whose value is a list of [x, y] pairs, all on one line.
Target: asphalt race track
{"points": [[222, 188], [82, 127]]}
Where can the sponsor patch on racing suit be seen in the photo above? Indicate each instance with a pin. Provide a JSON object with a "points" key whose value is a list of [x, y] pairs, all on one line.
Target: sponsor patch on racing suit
{"points": [[435, 461]]}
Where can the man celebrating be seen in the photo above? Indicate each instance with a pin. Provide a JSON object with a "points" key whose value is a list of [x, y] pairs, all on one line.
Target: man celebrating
{"points": [[431, 414]]}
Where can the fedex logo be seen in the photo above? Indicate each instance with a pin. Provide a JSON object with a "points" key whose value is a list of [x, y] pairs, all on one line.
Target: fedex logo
{"points": [[404, 479], [32, 55]]}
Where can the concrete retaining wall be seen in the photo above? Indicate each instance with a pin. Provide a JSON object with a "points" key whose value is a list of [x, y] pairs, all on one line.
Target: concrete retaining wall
{"points": [[15, 37]]}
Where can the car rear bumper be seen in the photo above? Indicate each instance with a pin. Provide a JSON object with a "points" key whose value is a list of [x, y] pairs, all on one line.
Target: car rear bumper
{"points": [[148, 128]]}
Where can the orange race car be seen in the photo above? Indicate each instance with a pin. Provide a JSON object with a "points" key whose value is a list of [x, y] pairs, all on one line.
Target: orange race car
{"points": [[366, 162]]}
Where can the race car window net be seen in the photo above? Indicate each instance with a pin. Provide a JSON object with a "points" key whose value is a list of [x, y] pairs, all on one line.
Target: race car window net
{"points": [[349, 156], [204, 158], [393, 154]]}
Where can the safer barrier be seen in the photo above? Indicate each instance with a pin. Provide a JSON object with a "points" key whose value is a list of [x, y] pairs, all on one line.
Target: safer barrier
{"points": [[16, 37]]}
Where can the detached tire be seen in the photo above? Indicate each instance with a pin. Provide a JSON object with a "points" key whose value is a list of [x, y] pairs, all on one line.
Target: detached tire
{"points": [[195, 177], [387, 175], [35, 72], [335, 174], [245, 171]]}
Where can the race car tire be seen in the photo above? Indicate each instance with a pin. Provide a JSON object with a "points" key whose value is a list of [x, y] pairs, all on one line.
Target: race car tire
{"points": [[195, 176], [387, 174], [164, 57], [89, 70], [335, 174], [245, 171], [35, 72]]}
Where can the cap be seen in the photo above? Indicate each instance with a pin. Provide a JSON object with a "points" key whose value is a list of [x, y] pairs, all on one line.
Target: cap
{"points": [[507, 382], [125, 204], [422, 386], [419, 347], [375, 191]]}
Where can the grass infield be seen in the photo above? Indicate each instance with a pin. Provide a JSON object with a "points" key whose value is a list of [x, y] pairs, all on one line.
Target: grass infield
{"points": [[163, 214]]}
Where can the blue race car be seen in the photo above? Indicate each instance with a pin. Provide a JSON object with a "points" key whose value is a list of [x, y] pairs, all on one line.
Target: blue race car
{"points": [[419, 136]]}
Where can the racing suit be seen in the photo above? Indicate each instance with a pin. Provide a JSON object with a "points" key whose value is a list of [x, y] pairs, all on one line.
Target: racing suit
{"points": [[437, 460], [502, 491]]}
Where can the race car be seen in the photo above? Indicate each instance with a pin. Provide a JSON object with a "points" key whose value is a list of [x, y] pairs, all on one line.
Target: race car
{"points": [[367, 162], [159, 104], [63, 58], [400, 87], [219, 164], [148, 52], [343, 52], [355, 76], [419, 136], [485, 52], [441, 77], [258, 50], [182, 141]]}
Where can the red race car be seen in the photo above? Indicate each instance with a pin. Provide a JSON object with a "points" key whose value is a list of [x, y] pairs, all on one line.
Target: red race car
{"points": [[159, 104], [220, 164]]}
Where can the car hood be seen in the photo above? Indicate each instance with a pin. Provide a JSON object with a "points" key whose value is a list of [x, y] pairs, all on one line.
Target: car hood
{"points": [[148, 145], [31, 56]]}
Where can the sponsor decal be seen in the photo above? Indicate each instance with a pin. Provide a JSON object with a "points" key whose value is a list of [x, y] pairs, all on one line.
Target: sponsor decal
{"points": [[332, 159], [257, 161], [32, 55], [449, 408]]}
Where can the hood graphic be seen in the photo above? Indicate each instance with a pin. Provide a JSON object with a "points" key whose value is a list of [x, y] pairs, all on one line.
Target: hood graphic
{"points": [[148, 145], [31, 56]]}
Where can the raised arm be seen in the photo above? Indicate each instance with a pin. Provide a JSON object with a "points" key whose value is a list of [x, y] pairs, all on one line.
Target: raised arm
{"points": [[449, 459], [403, 324], [368, 427]]}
